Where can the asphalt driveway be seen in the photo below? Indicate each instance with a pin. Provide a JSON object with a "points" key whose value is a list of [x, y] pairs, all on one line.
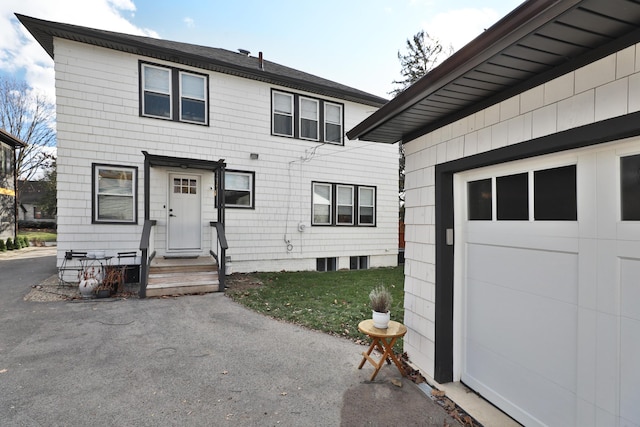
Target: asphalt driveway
{"points": [[195, 360]]}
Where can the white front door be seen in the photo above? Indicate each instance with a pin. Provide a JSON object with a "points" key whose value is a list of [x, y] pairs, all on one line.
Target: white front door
{"points": [[549, 324], [184, 224]]}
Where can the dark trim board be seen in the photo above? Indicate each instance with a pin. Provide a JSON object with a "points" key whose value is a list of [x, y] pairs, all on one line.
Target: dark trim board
{"points": [[614, 129]]}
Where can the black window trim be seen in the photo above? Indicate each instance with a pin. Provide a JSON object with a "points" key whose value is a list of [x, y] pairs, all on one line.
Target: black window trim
{"points": [[297, 118], [253, 189], [333, 207], [175, 93], [94, 195]]}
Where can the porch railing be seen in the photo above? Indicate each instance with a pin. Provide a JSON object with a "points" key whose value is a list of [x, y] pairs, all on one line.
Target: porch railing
{"points": [[220, 255], [147, 247]]}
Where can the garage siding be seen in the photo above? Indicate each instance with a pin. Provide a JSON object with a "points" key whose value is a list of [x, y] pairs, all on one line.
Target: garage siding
{"points": [[605, 89]]}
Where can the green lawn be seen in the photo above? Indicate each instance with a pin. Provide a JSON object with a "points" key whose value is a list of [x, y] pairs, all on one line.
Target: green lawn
{"points": [[333, 302], [39, 235]]}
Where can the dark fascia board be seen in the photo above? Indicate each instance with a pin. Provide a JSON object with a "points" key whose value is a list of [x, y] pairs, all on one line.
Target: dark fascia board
{"points": [[182, 162], [188, 54], [521, 21], [11, 140]]}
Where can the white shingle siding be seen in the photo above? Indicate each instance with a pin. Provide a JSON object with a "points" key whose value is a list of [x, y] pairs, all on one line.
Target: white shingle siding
{"points": [[607, 88], [98, 122]]}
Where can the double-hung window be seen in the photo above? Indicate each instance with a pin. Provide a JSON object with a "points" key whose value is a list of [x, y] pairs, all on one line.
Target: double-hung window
{"points": [[343, 205], [322, 200], [156, 86], [238, 189], [193, 100], [282, 114], [308, 119], [333, 123], [366, 205], [114, 194], [302, 117], [173, 94]]}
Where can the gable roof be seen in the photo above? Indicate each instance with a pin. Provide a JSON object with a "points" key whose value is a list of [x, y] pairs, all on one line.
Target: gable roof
{"points": [[11, 140], [535, 43], [208, 58]]}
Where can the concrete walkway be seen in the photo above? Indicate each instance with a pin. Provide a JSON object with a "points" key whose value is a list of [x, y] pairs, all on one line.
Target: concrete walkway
{"points": [[192, 361]]}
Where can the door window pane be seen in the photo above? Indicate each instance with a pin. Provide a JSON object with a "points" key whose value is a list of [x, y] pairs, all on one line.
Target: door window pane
{"points": [[512, 194], [630, 188], [555, 194], [479, 201]]}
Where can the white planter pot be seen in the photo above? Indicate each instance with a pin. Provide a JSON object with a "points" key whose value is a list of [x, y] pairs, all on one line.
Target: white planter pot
{"points": [[381, 320], [87, 287]]}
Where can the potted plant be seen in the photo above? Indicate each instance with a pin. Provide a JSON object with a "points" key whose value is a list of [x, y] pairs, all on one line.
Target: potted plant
{"points": [[109, 283], [380, 300]]}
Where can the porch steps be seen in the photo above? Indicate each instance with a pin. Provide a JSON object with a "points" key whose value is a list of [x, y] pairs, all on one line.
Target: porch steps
{"points": [[182, 276]]}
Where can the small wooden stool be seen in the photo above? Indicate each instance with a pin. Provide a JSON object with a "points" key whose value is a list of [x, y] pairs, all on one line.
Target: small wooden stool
{"points": [[383, 340]]}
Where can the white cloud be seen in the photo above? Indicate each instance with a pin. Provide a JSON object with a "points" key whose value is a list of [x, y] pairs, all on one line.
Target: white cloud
{"points": [[20, 54], [189, 22], [459, 27]]}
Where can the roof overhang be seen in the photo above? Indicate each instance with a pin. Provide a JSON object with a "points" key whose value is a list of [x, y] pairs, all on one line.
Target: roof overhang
{"points": [[182, 162], [11, 140], [535, 43]]}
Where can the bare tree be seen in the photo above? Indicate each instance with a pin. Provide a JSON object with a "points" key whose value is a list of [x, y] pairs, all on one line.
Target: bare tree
{"points": [[29, 116], [423, 54]]}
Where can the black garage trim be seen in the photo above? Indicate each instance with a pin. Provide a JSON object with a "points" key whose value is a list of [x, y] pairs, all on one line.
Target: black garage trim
{"points": [[605, 131]]}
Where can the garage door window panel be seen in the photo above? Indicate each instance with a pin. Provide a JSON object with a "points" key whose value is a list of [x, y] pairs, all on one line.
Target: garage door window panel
{"points": [[555, 194], [630, 188], [480, 200], [513, 197]]}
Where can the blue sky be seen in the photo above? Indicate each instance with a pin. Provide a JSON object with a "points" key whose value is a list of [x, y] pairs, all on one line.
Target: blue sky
{"points": [[354, 42]]}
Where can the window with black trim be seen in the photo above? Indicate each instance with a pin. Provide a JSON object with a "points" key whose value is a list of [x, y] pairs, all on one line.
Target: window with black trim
{"points": [[115, 193], [239, 189], [303, 117], [630, 188], [554, 196], [343, 204], [173, 94]]}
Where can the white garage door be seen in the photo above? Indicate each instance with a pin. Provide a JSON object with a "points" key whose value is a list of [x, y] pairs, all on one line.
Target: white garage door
{"points": [[548, 274]]}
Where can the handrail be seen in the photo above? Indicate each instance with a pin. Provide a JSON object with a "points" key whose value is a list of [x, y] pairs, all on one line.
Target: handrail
{"points": [[146, 258], [221, 258]]}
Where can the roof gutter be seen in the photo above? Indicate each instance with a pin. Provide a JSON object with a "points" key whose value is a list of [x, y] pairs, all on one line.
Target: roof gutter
{"points": [[517, 24]]}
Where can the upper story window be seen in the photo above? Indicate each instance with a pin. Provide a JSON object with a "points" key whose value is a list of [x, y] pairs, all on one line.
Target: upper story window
{"points": [[297, 116], [343, 204], [308, 119], [630, 188], [172, 94]]}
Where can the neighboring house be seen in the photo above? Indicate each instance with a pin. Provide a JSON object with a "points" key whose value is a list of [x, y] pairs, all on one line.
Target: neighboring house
{"points": [[522, 257], [30, 202], [152, 131], [8, 219]]}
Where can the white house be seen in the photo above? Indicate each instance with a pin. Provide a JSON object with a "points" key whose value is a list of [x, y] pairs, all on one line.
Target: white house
{"points": [[523, 213], [8, 177], [150, 132]]}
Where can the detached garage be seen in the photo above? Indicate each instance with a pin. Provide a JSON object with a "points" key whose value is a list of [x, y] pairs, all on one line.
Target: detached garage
{"points": [[522, 213]]}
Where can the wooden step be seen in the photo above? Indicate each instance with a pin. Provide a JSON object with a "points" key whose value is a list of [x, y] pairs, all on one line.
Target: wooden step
{"points": [[182, 276]]}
